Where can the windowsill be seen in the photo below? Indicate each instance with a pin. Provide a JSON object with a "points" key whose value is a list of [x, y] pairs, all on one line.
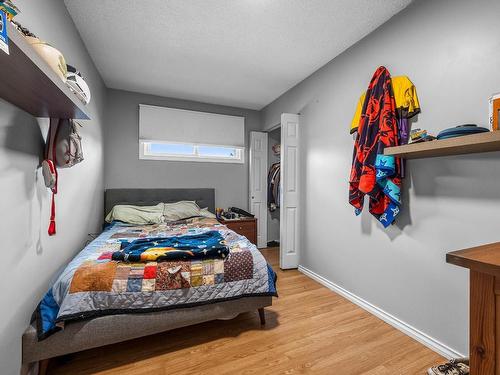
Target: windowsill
{"points": [[191, 159]]}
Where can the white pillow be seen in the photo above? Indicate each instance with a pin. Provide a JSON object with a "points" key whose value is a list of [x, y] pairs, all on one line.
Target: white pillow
{"points": [[206, 213], [180, 210], [136, 214], [162, 212]]}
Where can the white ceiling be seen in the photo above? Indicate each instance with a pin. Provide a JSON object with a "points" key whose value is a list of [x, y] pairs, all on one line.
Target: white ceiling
{"points": [[242, 53]]}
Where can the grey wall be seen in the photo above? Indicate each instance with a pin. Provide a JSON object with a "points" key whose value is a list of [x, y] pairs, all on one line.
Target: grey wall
{"points": [[273, 218], [124, 169], [30, 258], [451, 51]]}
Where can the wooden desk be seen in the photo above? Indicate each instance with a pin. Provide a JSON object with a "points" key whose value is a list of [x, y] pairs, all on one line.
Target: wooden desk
{"points": [[484, 321]]}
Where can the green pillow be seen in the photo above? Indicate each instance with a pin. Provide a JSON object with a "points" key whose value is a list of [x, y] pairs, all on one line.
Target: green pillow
{"points": [[136, 214]]}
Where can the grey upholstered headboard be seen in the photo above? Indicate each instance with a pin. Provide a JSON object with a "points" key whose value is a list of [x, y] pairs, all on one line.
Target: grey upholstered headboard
{"points": [[148, 197]]}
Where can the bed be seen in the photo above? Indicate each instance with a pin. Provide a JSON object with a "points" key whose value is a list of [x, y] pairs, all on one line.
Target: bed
{"points": [[112, 309]]}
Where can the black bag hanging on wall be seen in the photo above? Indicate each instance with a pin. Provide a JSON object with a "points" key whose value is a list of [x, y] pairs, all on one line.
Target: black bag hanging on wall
{"points": [[63, 149]]}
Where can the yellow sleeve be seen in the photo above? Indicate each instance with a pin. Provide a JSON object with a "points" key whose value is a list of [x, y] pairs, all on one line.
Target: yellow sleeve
{"points": [[357, 114], [405, 94], [414, 105]]}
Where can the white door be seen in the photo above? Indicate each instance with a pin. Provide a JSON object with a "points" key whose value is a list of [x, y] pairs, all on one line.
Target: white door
{"points": [[258, 184], [289, 199]]}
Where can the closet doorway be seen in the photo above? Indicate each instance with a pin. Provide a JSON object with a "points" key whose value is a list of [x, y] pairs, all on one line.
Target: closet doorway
{"points": [[274, 185]]}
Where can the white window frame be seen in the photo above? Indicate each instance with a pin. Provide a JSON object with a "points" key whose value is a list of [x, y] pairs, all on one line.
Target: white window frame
{"points": [[145, 154]]}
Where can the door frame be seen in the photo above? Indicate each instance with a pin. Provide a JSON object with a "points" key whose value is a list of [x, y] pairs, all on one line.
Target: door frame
{"points": [[290, 191], [290, 240], [257, 195]]}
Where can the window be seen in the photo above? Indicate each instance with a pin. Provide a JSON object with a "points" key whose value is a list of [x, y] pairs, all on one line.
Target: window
{"points": [[182, 135], [190, 152]]}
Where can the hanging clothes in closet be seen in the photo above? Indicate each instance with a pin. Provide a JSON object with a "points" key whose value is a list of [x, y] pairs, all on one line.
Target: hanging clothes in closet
{"points": [[273, 187]]}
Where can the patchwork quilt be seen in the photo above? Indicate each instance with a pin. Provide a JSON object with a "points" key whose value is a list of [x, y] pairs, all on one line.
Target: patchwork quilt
{"points": [[93, 284]]}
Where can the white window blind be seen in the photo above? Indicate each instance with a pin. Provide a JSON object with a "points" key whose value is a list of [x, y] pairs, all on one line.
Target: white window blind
{"points": [[190, 127]]}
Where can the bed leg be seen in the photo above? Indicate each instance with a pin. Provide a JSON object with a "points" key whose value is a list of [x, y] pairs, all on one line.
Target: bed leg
{"points": [[262, 316], [42, 366]]}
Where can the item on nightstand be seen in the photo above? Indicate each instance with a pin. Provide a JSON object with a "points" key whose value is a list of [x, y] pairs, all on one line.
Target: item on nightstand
{"points": [[461, 130], [494, 111], [240, 212], [228, 215], [234, 213]]}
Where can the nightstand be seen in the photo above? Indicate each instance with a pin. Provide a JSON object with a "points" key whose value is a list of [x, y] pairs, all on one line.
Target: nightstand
{"points": [[245, 226]]}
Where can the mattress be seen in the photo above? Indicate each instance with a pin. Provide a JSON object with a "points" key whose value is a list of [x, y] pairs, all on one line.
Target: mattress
{"points": [[94, 285]]}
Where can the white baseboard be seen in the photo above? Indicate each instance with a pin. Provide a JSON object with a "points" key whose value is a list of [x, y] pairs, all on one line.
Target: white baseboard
{"points": [[407, 329]]}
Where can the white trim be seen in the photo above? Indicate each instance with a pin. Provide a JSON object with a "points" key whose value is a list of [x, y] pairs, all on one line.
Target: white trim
{"points": [[290, 197], [273, 127], [406, 328], [257, 180]]}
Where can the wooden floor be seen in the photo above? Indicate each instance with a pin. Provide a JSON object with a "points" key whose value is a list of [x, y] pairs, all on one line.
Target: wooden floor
{"points": [[309, 330]]}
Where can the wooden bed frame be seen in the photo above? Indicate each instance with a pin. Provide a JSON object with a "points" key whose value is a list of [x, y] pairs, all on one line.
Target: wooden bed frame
{"points": [[110, 329]]}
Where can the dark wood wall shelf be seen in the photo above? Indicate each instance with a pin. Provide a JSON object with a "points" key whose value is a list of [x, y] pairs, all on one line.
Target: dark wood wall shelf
{"points": [[28, 82], [467, 144]]}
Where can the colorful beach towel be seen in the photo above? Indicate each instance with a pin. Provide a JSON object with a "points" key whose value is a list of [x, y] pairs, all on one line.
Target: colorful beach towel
{"points": [[373, 173], [198, 246]]}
